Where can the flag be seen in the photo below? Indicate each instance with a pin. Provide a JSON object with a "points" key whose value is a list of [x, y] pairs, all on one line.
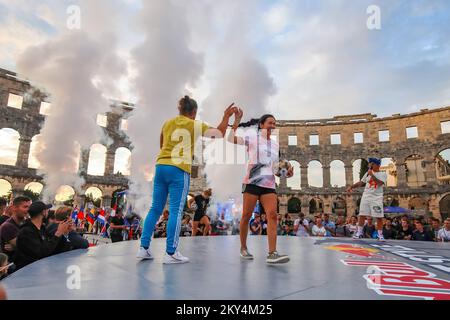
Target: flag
{"points": [[80, 215], [90, 218], [101, 216], [74, 214]]}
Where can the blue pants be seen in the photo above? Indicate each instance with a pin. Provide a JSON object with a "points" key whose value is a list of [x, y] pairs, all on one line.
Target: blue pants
{"points": [[172, 181]]}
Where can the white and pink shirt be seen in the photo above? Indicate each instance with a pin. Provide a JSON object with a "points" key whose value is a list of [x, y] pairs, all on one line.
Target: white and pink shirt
{"points": [[263, 153]]}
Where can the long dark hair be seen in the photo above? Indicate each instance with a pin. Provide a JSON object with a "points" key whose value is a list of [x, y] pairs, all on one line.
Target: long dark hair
{"points": [[258, 122], [187, 105]]}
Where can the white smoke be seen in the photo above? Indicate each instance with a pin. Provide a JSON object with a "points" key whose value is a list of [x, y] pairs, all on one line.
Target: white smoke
{"points": [[67, 67], [240, 78], [165, 65]]}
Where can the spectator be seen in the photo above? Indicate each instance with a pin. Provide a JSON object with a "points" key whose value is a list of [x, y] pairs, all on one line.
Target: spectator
{"points": [[389, 231], [186, 226], [6, 214], [70, 241], [200, 204], [396, 224], [4, 265], [287, 221], [263, 224], [435, 227], [405, 232], [369, 228], [117, 226], [328, 224], [318, 229], [161, 226], [340, 229], [301, 226], [51, 217], [3, 215], [279, 225], [444, 233], [33, 243], [421, 234], [10, 229], [222, 225], [256, 227], [288, 230], [352, 226]]}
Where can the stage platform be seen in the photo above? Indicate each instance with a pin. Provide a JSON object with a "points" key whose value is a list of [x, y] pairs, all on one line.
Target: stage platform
{"points": [[320, 268]]}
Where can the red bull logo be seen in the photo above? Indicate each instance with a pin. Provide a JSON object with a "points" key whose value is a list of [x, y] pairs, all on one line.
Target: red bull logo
{"points": [[402, 279], [354, 250]]}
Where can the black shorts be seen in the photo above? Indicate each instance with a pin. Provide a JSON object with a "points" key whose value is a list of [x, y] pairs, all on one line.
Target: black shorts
{"points": [[256, 190], [199, 216]]}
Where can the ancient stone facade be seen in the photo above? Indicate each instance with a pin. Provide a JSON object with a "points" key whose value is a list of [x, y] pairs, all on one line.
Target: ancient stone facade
{"points": [[428, 191], [28, 121], [432, 194]]}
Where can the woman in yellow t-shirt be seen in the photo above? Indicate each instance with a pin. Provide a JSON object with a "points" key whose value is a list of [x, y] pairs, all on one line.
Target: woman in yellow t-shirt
{"points": [[172, 174]]}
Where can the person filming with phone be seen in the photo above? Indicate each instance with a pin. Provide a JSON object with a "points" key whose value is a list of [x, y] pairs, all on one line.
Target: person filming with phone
{"points": [[33, 242]]}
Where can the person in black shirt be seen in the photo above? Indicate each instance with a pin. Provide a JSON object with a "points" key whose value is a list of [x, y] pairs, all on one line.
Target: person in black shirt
{"points": [[264, 223], [70, 241], [201, 204], [389, 231], [33, 243], [405, 232], [421, 234], [117, 225], [10, 228]]}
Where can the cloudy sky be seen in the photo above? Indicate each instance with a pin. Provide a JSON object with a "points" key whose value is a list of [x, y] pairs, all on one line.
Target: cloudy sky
{"points": [[320, 54], [299, 59]]}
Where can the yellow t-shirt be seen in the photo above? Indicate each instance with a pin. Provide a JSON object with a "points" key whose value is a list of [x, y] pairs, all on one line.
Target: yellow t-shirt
{"points": [[179, 136]]}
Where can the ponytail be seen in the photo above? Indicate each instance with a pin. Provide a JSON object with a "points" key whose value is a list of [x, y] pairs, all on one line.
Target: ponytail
{"points": [[250, 123], [258, 122]]}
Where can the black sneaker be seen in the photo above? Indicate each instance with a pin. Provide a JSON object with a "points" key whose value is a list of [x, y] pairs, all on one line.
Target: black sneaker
{"points": [[275, 258]]}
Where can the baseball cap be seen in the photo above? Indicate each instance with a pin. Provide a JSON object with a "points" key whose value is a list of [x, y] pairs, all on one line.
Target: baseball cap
{"points": [[37, 207], [375, 160]]}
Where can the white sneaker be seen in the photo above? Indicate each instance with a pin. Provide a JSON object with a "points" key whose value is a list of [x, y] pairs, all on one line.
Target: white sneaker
{"points": [[177, 257], [144, 254], [381, 239]]}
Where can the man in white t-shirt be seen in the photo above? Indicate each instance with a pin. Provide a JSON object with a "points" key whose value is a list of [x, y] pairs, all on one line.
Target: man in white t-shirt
{"points": [[444, 233], [301, 226], [372, 199]]}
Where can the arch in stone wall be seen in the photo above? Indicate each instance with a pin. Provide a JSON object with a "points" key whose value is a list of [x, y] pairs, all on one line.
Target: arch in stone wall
{"points": [[356, 164], [444, 206], [5, 187], [339, 206], [315, 174], [294, 182], [122, 161], [337, 173], [9, 145], [294, 205], [442, 166], [97, 160], [419, 205], [315, 205]]}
